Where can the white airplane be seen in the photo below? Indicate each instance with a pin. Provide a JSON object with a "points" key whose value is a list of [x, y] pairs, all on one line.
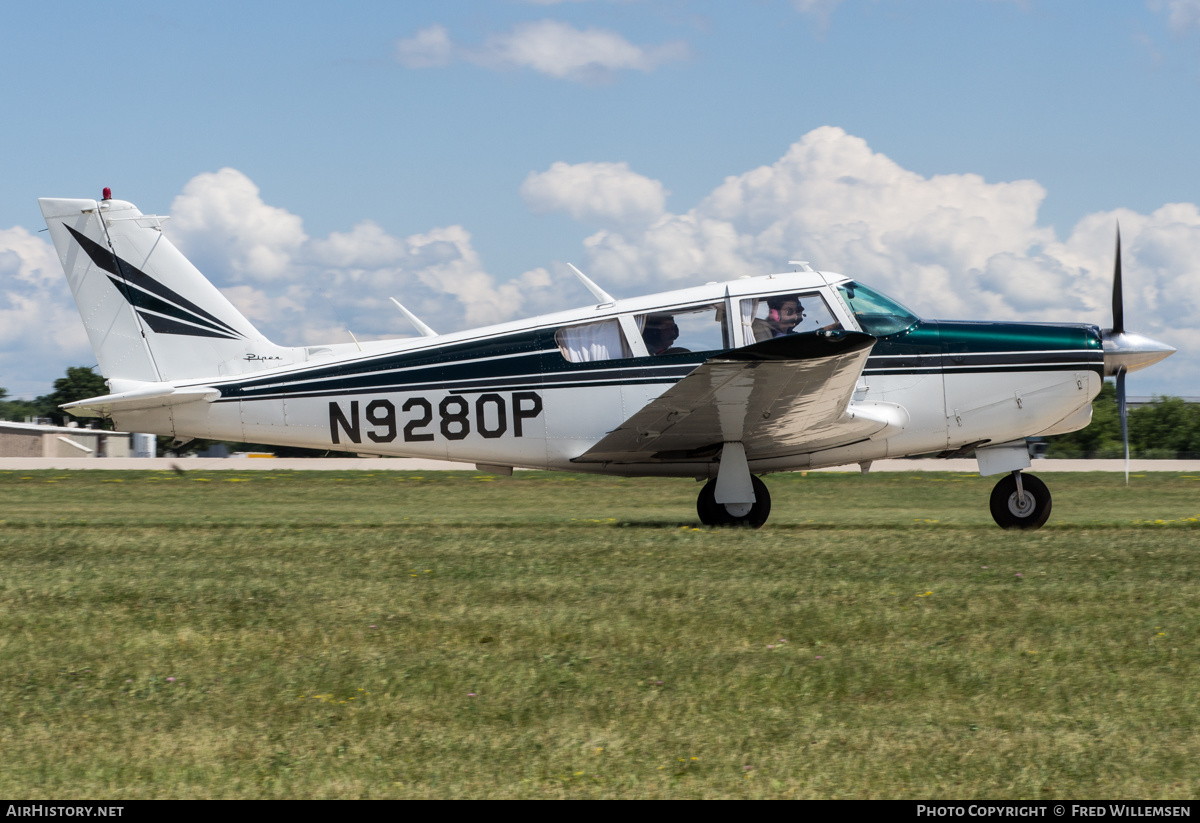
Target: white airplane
{"points": [[723, 382]]}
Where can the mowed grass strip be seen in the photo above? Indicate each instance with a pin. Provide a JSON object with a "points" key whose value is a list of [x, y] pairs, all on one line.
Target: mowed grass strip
{"points": [[216, 634]]}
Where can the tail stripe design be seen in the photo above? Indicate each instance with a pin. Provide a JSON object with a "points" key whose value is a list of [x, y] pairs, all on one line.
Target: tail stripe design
{"points": [[165, 325], [142, 297]]}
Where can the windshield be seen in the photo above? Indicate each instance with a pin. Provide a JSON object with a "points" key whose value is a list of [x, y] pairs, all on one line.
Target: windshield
{"points": [[878, 315]]}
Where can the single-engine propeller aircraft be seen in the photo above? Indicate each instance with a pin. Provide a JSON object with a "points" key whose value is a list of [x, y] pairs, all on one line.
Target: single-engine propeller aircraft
{"points": [[723, 382]]}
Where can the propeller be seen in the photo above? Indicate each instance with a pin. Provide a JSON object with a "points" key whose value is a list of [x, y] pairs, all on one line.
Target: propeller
{"points": [[1126, 351]]}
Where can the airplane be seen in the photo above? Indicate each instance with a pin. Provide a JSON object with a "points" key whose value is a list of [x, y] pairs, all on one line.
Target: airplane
{"points": [[721, 382]]}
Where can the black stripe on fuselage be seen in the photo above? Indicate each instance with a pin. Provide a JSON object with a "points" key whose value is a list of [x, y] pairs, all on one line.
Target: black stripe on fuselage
{"points": [[513, 382], [1049, 360], [531, 360], [527, 358]]}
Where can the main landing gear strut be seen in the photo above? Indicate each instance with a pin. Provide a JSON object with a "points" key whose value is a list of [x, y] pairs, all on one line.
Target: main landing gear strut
{"points": [[751, 515], [1020, 501], [736, 497]]}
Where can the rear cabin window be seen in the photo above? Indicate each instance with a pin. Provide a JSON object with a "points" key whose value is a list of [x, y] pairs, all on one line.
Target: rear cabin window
{"points": [[691, 329], [781, 314], [592, 342]]}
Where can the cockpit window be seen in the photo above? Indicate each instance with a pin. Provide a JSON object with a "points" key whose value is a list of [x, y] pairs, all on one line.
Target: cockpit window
{"points": [[878, 315], [777, 315]]}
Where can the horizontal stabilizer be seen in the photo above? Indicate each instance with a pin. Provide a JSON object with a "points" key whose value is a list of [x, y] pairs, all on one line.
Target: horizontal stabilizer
{"points": [[145, 396]]}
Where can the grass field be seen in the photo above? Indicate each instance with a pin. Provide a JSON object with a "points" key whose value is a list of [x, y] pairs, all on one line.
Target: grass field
{"points": [[455, 635]]}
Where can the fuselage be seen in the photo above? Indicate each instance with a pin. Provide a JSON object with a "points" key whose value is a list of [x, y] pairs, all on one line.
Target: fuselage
{"points": [[539, 393]]}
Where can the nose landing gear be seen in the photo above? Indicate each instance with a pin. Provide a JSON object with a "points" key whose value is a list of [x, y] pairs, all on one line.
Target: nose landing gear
{"points": [[1020, 501]]}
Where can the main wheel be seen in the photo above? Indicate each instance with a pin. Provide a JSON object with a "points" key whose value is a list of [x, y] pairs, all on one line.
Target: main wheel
{"points": [[752, 516], [1014, 511]]}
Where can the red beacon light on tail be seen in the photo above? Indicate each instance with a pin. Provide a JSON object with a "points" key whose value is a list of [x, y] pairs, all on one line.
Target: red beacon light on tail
{"points": [[107, 193]]}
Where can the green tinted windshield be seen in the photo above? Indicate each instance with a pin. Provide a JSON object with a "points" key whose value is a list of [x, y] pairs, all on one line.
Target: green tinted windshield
{"points": [[878, 315]]}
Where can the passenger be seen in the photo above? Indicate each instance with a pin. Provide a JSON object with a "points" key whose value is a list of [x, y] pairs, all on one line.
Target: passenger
{"points": [[660, 333]]}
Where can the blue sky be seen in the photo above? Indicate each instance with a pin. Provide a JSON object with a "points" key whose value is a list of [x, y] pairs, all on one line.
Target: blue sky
{"points": [[969, 157]]}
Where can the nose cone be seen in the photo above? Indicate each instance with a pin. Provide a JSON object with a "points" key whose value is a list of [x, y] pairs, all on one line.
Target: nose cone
{"points": [[1131, 351]]}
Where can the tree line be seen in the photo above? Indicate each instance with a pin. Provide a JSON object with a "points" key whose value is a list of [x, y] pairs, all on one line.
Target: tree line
{"points": [[80, 383], [1168, 428]]}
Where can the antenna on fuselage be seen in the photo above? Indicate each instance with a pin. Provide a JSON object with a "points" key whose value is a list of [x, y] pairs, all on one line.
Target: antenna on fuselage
{"points": [[416, 321], [597, 292], [803, 264]]}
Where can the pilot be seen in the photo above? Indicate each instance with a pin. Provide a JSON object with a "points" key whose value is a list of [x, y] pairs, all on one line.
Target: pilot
{"points": [[660, 333], [784, 313]]}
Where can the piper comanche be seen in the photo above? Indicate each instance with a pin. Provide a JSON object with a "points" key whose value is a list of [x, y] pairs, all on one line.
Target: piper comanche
{"points": [[723, 382]]}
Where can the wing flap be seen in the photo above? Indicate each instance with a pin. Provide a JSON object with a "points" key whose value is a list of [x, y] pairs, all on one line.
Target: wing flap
{"points": [[782, 396]]}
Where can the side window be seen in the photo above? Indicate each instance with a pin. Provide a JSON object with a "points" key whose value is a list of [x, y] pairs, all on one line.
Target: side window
{"points": [[592, 341], [692, 329], [779, 314]]}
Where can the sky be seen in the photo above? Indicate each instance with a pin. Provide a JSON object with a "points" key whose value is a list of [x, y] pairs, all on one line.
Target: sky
{"points": [[970, 158]]}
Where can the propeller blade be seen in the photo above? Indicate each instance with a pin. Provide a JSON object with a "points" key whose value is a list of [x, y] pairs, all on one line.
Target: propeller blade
{"points": [[1118, 299], [1127, 351], [1123, 411]]}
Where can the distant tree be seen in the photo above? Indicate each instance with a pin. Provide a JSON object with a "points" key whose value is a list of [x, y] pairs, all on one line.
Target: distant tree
{"points": [[16, 410], [1167, 428], [80, 383]]}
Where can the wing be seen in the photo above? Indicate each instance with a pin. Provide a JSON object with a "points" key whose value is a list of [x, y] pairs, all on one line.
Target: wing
{"points": [[790, 395]]}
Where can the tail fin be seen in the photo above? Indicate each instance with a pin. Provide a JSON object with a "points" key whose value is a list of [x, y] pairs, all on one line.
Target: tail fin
{"points": [[150, 315]]}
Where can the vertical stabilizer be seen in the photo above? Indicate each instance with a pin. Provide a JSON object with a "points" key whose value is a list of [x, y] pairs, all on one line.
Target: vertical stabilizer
{"points": [[150, 315]]}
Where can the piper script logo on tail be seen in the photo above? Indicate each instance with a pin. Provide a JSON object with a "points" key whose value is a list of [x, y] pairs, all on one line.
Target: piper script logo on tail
{"points": [[491, 415]]}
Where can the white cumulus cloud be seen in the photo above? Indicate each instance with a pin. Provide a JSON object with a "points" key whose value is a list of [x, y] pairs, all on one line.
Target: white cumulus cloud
{"points": [[222, 216], [40, 330], [430, 47], [605, 193], [300, 289], [821, 9], [549, 47], [1182, 15], [951, 246]]}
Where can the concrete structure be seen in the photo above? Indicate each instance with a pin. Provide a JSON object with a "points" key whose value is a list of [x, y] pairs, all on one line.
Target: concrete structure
{"points": [[34, 440]]}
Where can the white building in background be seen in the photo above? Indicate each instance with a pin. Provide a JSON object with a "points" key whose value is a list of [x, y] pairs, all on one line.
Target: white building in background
{"points": [[37, 440]]}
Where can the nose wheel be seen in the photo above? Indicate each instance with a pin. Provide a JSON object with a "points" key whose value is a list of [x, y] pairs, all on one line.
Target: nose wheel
{"points": [[750, 515], [1020, 501]]}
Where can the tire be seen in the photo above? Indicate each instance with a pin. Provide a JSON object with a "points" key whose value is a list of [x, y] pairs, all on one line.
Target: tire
{"points": [[1031, 512], [713, 513]]}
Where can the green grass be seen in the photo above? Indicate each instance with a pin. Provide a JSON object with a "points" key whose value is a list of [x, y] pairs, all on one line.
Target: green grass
{"points": [[450, 635]]}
